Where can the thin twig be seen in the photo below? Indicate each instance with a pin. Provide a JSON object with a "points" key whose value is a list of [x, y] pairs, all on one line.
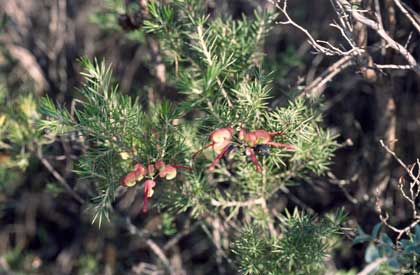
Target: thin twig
{"points": [[216, 203], [151, 244], [408, 170], [408, 15], [372, 266], [59, 178], [382, 33], [175, 239], [318, 83]]}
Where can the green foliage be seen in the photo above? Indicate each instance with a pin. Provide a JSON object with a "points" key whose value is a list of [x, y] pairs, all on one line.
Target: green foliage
{"points": [[19, 139], [300, 249], [116, 130], [216, 64], [208, 55], [87, 265]]}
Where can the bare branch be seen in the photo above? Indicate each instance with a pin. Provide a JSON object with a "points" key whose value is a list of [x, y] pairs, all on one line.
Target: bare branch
{"points": [[372, 266], [216, 203], [318, 83], [59, 178], [151, 244], [382, 33], [413, 21]]}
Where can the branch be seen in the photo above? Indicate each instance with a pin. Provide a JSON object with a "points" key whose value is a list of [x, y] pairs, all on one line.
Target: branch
{"points": [[408, 170], [372, 266], [151, 244], [316, 44], [259, 201], [382, 33], [59, 178], [318, 83], [408, 15], [175, 239]]}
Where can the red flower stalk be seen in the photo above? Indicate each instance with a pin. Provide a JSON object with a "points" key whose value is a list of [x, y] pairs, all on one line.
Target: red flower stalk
{"points": [[218, 157], [250, 152], [150, 169], [148, 192]]}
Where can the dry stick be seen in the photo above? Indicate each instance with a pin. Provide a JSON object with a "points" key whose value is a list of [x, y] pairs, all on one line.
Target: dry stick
{"points": [[328, 74], [59, 178], [209, 235], [273, 231], [158, 251], [372, 266], [180, 235], [392, 66], [151, 244], [382, 33], [408, 170], [407, 14], [289, 21], [400, 232], [411, 200], [216, 203], [264, 206], [380, 21], [217, 237]]}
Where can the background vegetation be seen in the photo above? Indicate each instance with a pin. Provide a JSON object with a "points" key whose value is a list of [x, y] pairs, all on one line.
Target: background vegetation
{"points": [[90, 88]]}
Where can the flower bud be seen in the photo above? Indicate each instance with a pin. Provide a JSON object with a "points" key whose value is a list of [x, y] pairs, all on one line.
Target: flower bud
{"points": [[221, 134], [168, 172], [129, 180], [140, 171]]}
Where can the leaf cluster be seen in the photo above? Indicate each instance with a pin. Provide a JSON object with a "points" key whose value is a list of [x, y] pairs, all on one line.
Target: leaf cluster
{"points": [[19, 138], [301, 248], [401, 256]]}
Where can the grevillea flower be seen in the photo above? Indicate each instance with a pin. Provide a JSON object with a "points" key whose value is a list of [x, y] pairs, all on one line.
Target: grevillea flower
{"points": [[219, 140], [221, 135], [148, 192], [132, 177], [140, 171], [253, 138], [129, 180], [168, 171]]}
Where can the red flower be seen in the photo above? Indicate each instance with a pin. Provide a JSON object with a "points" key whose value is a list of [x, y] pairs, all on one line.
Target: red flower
{"points": [[164, 170], [219, 140], [132, 177], [140, 171], [129, 180], [168, 171], [253, 138]]}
